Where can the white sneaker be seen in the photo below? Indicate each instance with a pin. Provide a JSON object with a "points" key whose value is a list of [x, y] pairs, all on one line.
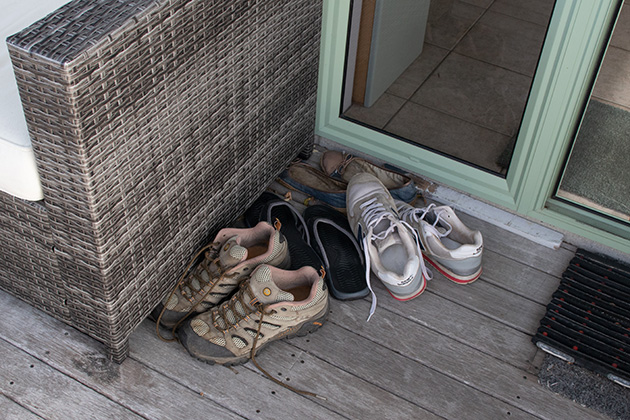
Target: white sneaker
{"points": [[448, 245], [391, 246]]}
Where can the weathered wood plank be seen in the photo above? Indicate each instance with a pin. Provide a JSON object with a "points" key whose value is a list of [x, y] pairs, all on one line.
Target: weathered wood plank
{"points": [[396, 374], [348, 394], [551, 261], [496, 303], [49, 393], [518, 278], [256, 396], [454, 359], [13, 411], [241, 390], [569, 247], [461, 324], [130, 384]]}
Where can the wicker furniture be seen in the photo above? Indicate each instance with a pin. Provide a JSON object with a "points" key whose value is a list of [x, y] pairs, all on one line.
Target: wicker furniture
{"points": [[154, 123]]}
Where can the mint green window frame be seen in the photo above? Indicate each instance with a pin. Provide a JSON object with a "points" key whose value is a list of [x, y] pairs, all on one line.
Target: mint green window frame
{"points": [[577, 32]]}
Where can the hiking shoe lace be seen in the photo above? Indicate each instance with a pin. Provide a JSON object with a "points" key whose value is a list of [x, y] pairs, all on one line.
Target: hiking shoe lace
{"points": [[270, 305], [229, 259]]}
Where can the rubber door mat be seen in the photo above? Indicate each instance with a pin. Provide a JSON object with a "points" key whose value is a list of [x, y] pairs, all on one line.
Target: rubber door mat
{"points": [[588, 319]]}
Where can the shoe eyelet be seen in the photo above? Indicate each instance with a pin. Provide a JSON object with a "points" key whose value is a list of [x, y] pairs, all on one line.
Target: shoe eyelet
{"points": [[283, 309]]}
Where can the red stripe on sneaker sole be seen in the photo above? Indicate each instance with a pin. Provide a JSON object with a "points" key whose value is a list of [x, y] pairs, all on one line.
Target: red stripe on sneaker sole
{"points": [[452, 276], [424, 286]]}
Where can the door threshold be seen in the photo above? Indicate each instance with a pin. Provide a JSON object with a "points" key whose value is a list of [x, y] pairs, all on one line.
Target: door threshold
{"points": [[508, 221], [469, 205]]}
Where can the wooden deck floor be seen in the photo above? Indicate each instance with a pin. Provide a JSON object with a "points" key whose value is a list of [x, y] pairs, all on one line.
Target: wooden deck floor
{"points": [[455, 352]]}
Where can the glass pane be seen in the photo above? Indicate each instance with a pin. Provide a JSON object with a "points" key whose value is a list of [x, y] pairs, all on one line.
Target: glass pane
{"points": [[596, 175], [449, 75]]}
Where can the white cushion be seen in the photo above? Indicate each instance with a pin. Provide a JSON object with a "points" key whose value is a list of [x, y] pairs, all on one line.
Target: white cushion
{"points": [[18, 172]]}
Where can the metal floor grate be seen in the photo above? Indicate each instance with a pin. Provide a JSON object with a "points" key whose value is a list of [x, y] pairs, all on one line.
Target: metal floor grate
{"points": [[588, 319]]}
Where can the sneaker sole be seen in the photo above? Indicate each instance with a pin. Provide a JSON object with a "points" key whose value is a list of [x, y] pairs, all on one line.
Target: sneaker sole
{"points": [[452, 276], [306, 328], [412, 295]]}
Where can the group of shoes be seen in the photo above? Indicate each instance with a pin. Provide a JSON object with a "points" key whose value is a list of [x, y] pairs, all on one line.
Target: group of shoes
{"points": [[396, 238], [272, 279], [264, 282]]}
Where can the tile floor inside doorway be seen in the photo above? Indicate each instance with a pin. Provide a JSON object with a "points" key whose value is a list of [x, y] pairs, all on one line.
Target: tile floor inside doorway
{"points": [[465, 94]]}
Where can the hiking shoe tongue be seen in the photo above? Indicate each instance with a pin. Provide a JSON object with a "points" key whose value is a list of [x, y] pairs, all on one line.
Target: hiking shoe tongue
{"points": [[265, 289], [232, 253]]}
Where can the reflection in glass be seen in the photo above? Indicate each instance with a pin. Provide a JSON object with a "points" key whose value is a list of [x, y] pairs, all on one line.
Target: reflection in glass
{"points": [[597, 175], [460, 82]]}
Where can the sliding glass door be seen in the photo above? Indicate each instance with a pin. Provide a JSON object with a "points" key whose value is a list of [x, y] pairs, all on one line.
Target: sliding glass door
{"points": [[564, 41], [594, 184]]}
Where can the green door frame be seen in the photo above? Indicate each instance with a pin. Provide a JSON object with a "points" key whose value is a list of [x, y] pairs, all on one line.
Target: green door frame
{"points": [[571, 55]]}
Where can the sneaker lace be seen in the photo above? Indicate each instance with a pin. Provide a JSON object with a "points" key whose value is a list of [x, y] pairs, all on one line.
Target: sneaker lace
{"points": [[415, 215], [232, 312], [373, 212], [185, 285]]}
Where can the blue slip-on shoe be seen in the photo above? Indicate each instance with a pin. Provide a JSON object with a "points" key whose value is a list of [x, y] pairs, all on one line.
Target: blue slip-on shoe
{"points": [[343, 167], [316, 184]]}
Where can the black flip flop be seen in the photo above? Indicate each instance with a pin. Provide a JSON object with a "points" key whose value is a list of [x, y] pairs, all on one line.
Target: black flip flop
{"points": [[269, 207], [332, 239]]}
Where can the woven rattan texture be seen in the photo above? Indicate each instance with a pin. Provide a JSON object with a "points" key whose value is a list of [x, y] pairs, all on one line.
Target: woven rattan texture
{"points": [[28, 267], [155, 135]]}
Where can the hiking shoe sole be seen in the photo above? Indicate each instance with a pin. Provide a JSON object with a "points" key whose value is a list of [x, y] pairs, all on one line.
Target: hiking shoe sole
{"points": [[191, 341]]}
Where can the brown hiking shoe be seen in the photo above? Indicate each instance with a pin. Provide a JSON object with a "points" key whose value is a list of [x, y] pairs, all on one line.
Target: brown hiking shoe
{"points": [[231, 257], [271, 305]]}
